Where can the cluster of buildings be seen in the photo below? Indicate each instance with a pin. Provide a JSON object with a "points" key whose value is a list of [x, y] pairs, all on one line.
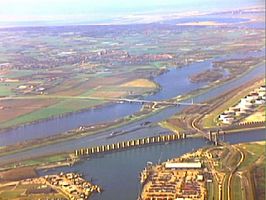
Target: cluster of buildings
{"points": [[123, 57], [25, 89], [244, 107], [174, 181], [72, 185]]}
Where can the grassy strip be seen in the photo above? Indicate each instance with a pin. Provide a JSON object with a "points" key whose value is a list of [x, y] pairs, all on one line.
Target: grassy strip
{"points": [[61, 108], [252, 153], [45, 160], [210, 120], [236, 190], [169, 126], [127, 120]]}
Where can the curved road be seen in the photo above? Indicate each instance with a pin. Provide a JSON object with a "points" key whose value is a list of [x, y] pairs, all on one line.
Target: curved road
{"points": [[233, 171]]}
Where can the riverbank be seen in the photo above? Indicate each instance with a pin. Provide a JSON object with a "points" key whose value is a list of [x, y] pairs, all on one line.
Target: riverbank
{"points": [[187, 96], [44, 162], [195, 118], [69, 159], [130, 162], [57, 186], [77, 133], [69, 145], [62, 138], [149, 87]]}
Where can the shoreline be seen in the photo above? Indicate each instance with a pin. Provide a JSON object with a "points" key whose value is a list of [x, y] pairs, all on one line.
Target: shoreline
{"points": [[99, 106], [178, 122], [68, 161], [191, 94], [75, 135], [64, 137]]}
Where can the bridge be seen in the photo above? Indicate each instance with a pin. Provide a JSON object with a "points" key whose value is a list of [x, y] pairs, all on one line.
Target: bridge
{"points": [[211, 135], [116, 100], [166, 103], [129, 144]]}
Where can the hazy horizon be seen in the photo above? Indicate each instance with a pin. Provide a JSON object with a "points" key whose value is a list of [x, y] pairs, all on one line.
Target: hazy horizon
{"points": [[60, 12]]}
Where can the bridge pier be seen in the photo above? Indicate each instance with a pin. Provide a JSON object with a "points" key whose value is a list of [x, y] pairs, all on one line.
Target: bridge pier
{"points": [[210, 136], [216, 138], [131, 143]]}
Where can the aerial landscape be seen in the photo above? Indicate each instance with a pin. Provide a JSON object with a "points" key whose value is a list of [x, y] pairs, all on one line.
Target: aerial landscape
{"points": [[122, 100]]}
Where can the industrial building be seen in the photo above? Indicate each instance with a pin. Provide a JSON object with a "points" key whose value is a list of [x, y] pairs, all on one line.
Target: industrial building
{"points": [[183, 165], [244, 107]]}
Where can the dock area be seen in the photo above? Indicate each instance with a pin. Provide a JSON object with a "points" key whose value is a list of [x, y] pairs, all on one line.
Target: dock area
{"points": [[180, 178], [71, 185]]}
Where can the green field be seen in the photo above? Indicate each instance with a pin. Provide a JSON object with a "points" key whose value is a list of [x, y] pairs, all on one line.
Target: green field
{"points": [[21, 192], [63, 107], [5, 89], [246, 179]]}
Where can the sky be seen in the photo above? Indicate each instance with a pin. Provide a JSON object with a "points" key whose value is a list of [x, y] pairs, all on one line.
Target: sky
{"points": [[97, 10]]}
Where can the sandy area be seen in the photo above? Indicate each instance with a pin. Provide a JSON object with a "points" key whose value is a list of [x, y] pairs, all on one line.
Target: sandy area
{"points": [[258, 116], [144, 83]]}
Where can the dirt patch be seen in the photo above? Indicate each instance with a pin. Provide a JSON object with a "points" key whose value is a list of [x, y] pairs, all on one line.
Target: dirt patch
{"points": [[15, 108], [108, 94], [144, 83], [18, 174]]}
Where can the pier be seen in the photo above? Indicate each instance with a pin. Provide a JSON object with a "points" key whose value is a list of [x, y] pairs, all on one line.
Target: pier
{"points": [[128, 144]]}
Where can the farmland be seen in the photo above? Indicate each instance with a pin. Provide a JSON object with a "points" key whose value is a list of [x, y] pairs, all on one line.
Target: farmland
{"points": [[108, 62]]}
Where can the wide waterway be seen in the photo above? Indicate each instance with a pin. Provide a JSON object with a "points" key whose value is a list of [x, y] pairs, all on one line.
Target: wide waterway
{"points": [[101, 138], [173, 83], [118, 172]]}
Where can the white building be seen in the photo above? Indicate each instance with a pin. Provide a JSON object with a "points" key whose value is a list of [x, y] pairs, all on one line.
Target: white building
{"points": [[228, 120], [183, 165]]}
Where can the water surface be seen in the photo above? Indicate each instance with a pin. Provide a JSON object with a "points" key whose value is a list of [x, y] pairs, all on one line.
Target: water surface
{"points": [[118, 173]]}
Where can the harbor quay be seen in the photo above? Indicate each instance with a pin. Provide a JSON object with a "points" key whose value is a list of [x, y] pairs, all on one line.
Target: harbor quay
{"points": [[177, 179]]}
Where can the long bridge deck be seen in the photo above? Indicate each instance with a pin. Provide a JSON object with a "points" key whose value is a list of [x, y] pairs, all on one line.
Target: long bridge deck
{"points": [[116, 100]]}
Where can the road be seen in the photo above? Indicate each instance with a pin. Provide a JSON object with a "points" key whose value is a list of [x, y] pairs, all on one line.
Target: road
{"points": [[242, 158]]}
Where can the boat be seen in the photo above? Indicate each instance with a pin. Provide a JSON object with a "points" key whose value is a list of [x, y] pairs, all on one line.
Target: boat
{"points": [[115, 133]]}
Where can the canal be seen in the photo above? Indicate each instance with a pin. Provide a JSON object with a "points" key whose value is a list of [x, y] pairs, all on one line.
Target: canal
{"points": [[102, 137], [118, 172], [173, 83]]}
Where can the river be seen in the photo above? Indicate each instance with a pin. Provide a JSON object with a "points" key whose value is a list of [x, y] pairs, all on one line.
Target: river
{"points": [[173, 83], [101, 137], [119, 177], [118, 172], [171, 86]]}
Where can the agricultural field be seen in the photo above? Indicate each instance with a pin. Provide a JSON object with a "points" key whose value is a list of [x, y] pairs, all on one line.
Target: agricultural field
{"points": [[29, 191], [46, 69]]}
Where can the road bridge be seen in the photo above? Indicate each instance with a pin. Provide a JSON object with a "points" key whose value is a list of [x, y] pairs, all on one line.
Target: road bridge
{"points": [[165, 102], [116, 100]]}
